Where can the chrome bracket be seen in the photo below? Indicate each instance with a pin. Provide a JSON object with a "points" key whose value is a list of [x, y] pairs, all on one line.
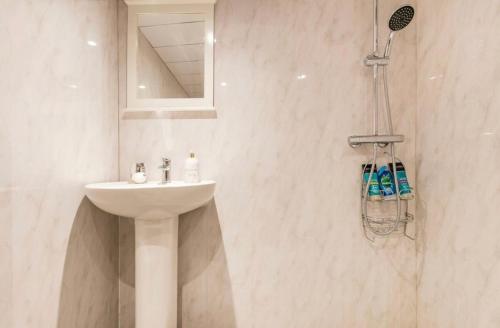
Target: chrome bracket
{"points": [[373, 60]]}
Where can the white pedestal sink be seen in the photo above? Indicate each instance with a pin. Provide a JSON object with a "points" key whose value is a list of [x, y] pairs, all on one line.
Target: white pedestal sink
{"points": [[156, 208]]}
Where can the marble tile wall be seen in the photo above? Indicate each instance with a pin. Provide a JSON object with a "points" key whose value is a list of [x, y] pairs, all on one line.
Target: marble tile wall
{"points": [[5, 255], [457, 145], [89, 290], [58, 131], [282, 245]]}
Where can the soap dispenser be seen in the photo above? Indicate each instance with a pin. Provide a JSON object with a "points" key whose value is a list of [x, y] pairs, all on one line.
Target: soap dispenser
{"points": [[191, 169], [138, 174]]}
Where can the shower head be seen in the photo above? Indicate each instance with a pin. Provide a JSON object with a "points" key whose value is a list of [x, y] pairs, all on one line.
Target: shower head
{"points": [[401, 18]]}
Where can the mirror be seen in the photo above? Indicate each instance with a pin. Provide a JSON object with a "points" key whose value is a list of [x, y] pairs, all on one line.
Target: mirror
{"points": [[170, 57]]}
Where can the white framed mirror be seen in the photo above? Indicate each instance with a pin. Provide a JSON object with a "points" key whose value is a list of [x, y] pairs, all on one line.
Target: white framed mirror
{"points": [[170, 57]]}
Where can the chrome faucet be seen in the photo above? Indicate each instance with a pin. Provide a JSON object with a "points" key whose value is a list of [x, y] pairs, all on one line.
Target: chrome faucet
{"points": [[165, 167]]}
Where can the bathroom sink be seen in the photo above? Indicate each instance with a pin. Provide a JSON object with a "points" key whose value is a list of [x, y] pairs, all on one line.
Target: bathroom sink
{"points": [[150, 200], [155, 208]]}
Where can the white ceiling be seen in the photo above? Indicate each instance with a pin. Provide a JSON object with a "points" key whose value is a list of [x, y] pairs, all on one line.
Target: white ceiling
{"points": [[179, 41]]}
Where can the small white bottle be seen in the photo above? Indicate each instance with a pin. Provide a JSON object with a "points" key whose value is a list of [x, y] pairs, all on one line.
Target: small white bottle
{"points": [[191, 169], [138, 174]]}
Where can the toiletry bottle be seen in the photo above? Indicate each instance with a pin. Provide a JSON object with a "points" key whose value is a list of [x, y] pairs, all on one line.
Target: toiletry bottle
{"points": [[191, 169], [402, 180], [386, 182], [139, 176], [373, 186]]}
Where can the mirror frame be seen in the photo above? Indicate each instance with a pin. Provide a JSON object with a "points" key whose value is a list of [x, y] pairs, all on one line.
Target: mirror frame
{"points": [[149, 105]]}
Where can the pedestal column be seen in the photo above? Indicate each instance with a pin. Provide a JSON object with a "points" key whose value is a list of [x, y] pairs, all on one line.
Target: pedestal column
{"points": [[156, 273]]}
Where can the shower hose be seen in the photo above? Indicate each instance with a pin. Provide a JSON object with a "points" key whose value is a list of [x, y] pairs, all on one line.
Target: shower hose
{"points": [[366, 222]]}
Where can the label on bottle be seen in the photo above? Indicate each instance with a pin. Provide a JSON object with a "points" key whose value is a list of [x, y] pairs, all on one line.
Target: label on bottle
{"points": [[404, 186], [402, 179], [191, 176], [386, 182], [373, 186]]}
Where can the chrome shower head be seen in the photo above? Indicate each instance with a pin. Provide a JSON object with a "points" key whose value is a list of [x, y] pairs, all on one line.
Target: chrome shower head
{"points": [[401, 18]]}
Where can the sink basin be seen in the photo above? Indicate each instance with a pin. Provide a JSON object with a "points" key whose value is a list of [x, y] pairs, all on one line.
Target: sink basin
{"points": [[155, 208], [150, 200]]}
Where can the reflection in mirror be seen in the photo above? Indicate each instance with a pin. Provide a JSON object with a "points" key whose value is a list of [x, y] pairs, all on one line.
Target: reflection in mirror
{"points": [[170, 55]]}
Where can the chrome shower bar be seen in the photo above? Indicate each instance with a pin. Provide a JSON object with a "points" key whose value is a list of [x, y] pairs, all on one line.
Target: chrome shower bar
{"points": [[375, 26]]}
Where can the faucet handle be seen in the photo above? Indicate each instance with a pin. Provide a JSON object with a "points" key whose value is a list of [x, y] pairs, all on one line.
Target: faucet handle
{"points": [[165, 163], [165, 167]]}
